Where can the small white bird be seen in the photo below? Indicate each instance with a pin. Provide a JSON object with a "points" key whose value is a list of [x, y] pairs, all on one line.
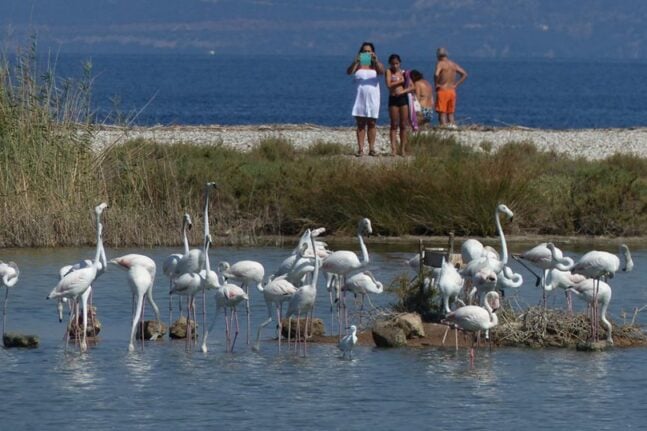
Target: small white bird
{"points": [[347, 343]]}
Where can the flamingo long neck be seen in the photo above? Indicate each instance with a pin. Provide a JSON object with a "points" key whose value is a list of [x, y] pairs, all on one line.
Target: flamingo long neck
{"points": [[102, 253], [206, 211], [186, 239], [97, 255], [504, 245], [365, 258], [315, 275], [561, 262]]}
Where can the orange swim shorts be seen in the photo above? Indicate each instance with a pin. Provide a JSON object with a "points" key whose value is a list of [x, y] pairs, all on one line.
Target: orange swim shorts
{"points": [[446, 100]]}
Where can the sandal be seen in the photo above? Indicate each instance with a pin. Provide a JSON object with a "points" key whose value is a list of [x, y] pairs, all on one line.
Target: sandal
{"points": [[358, 154], [372, 153]]}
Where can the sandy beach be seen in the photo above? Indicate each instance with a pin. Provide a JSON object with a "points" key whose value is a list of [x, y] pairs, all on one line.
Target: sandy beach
{"points": [[590, 143]]}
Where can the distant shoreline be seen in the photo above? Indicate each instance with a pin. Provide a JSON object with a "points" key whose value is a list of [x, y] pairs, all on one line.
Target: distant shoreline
{"points": [[589, 143]]}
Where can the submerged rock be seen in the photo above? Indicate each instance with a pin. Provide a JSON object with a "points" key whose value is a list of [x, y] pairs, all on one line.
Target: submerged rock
{"points": [[315, 329], [11, 339], [178, 328], [153, 330]]}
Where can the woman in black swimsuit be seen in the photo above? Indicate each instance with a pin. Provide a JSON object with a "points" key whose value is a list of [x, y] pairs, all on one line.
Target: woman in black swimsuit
{"points": [[398, 104]]}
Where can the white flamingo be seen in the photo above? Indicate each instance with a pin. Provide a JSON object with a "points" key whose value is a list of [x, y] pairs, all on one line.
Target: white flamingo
{"points": [[363, 284], [343, 263], [489, 258], [246, 272], [601, 264], [86, 297], [227, 295], [141, 277], [545, 256], [474, 318], [558, 279], [596, 291], [277, 291], [302, 302], [169, 267], [450, 284], [75, 283], [347, 343], [9, 274]]}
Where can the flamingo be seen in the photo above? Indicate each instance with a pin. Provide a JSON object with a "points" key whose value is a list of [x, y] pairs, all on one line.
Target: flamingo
{"points": [[246, 272], [277, 291], [302, 301], [591, 290], [489, 257], [362, 284], [228, 295], [598, 264], [474, 318], [558, 279], [300, 260], [9, 274], [101, 268], [546, 256], [343, 262], [450, 284], [141, 277], [187, 284], [75, 283], [169, 267], [347, 343]]}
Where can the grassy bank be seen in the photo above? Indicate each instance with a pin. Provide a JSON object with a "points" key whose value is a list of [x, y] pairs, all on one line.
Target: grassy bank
{"points": [[50, 180]]}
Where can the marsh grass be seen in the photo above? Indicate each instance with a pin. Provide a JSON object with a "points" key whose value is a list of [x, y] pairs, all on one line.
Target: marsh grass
{"points": [[50, 179]]}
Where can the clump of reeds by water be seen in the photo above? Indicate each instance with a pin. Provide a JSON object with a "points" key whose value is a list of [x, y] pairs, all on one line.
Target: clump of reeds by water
{"points": [[51, 179]]}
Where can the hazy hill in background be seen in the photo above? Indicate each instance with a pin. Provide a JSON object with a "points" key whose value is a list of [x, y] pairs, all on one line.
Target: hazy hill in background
{"points": [[589, 29]]}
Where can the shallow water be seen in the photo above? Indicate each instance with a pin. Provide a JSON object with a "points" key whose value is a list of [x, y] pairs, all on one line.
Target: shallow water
{"points": [[165, 387]]}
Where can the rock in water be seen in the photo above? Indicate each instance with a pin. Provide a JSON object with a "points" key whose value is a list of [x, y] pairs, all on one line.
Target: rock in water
{"points": [[178, 328], [316, 328], [387, 333], [153, 330], [19, 340]]}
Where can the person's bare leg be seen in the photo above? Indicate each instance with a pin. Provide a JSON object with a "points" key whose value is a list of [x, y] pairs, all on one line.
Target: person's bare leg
{"points": [[361, 132], [442, 118], [451, 118], [394, 114], [404, 129], [372, 134]]}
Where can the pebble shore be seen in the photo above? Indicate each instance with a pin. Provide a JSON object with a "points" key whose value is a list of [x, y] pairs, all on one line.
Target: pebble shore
{"points": [[588, 143]]}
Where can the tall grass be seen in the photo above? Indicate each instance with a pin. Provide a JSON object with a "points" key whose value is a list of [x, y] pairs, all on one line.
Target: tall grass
{"points": [[50, 179]]}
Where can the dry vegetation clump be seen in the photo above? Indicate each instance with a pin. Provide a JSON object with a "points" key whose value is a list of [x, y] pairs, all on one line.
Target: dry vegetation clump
{"points": [[538, 328]]}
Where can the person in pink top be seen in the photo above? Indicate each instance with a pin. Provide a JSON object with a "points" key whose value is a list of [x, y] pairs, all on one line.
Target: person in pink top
{"points": [[365, 70]]}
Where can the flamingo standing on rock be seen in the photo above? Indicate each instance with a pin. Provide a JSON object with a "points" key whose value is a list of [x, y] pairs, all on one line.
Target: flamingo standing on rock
{"points": [[9, 274], [77, 282], [141, 277]]}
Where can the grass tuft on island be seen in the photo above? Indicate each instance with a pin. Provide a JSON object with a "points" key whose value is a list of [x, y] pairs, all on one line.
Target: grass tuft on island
{"points": [[51, 179]]}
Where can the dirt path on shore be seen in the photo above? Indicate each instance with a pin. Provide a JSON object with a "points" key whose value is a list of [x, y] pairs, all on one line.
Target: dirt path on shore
{"points": [[588, 143]]}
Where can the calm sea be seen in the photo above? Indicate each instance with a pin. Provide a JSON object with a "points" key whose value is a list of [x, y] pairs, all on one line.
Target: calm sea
{"points": [[166, 388], [228, 90]]}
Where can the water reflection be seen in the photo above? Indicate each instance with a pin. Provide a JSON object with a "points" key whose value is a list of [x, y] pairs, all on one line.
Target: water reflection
{"points": [[77, 371]]}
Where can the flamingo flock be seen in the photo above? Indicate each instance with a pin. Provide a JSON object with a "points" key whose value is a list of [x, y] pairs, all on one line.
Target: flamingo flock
{"points": [[469, 294]]}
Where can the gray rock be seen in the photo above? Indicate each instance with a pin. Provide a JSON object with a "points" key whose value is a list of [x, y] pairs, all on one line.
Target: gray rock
{"points": [[387, 333], [411, 324], [153, 330], [11, 339], [178, 328]]}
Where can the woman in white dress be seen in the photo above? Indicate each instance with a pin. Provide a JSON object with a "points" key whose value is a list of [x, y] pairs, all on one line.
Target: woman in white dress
{"points": [[365, 70]]}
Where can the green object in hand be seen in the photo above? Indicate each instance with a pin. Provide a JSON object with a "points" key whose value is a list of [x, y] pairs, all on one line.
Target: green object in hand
{"points": [[365, 59]]}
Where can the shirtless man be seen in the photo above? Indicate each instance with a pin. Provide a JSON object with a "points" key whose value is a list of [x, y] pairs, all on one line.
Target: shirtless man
{"points": [[424, 96], [446, 84]]}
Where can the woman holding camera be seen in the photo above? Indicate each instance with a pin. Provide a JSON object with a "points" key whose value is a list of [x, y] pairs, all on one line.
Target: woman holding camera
{"points": [[365, 70]]}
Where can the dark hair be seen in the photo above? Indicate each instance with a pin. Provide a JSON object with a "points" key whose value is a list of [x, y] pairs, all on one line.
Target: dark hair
{"points": [[394, 57], [415, 75], [366, 43]]}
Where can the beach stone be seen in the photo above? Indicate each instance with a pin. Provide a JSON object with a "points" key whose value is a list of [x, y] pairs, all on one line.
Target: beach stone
{"points": [[411, 324], [11, 339], [153, 330], [387, 333], [595, 346], [178, 328], [317, 328]]}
